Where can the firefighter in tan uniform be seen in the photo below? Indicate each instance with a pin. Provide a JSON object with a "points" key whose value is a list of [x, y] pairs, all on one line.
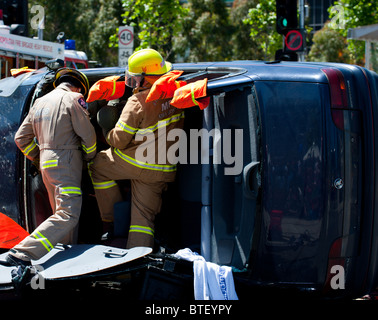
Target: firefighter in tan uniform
{"points": [[58, 131], [139, 123]]}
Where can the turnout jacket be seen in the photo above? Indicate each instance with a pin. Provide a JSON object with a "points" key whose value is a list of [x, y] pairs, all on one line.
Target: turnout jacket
{"points": [[56, 127], [141, 135], [57, 121]]}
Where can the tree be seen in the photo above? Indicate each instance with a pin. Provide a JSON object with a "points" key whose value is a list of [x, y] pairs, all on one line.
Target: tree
{"points": [[329, 46], [88, 22], [206, 32], [262, 19], [155, 23], [347, 14], [242, 44], [105, 22], [56, 19], [199, 30]]}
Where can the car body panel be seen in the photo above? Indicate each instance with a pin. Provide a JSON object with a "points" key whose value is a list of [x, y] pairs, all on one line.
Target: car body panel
{"points": [[305, 198]]}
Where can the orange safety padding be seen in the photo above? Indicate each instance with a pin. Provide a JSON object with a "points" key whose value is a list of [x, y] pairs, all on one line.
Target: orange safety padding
{"points": [[17, 72], [107, 89], [190, 94], [165, 86], [11, 233]]}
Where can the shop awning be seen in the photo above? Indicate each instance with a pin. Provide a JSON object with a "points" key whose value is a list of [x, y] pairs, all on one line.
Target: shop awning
{"points": [[366, 33]]}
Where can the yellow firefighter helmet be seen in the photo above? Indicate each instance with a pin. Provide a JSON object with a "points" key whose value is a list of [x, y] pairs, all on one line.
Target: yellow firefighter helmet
{"points": [[145, 62]]}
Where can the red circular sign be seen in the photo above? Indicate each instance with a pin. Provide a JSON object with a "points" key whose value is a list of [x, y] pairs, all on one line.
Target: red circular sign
{"points": [[125, 37], [294, 40]]}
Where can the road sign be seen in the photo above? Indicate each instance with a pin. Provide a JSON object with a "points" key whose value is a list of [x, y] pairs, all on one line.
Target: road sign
{"points": [[294, 41], [123, 56], [125, 44], [126, 36]]}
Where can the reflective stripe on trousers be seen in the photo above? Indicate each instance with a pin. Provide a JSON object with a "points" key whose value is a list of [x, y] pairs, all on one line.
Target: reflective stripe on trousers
{"points": [[70, 190], [104, 185], [46, 243], [141, 229]]}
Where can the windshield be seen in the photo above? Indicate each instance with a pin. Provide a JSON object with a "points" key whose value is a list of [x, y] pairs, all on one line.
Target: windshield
{"points": [[9, 85], [11, 109]]}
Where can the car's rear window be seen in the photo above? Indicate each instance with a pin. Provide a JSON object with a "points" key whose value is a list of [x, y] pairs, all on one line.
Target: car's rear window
{"points": [[293, 176]]}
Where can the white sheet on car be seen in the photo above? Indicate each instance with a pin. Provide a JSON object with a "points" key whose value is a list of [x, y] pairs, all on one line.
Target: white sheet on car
{"points": [[76, 260]]}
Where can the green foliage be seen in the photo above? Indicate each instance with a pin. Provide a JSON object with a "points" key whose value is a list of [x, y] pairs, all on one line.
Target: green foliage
{"points": [[243, 46], [206, 32], [106, 20], [199, 30], [155, 23], [328, 46], [350, 14], [56, 19], [89, 22], [262, 19]]}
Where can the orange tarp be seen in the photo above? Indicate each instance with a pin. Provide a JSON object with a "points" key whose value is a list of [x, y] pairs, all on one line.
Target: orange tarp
{"points": [[11, 233]]}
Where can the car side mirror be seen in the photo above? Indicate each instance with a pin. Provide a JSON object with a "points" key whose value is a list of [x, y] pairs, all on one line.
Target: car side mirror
{"points": [[54, 64]]}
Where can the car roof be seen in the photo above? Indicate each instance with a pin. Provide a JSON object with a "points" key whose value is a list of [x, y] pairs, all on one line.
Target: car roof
{"points": [[269, 70], [254, 70], [219, 73]]}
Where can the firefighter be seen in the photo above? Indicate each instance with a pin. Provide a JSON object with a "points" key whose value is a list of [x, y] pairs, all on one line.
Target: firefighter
{"points": [[139, 122], [58, 133]]}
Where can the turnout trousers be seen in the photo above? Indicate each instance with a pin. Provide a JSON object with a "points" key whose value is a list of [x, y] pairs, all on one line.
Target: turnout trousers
{"points": [[146, 191], [61, 173]]}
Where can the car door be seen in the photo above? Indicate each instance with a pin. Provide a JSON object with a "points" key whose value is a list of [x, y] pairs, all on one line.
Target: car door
{"points": [[13, 97], [235, 175]]}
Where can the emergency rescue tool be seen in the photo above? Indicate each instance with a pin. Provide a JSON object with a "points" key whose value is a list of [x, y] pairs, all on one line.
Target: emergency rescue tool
{"points": [[304, 203]]}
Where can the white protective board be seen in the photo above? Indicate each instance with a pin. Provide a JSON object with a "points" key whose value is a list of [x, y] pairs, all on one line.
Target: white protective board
{"points": [[76, 260], [5, 273]]}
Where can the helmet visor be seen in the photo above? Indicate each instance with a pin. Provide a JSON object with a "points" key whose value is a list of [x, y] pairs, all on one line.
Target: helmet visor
{"points": [[134, 80]]}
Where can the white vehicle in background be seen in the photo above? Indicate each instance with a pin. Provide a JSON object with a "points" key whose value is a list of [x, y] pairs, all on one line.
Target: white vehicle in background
{"points": [[73, 58]]}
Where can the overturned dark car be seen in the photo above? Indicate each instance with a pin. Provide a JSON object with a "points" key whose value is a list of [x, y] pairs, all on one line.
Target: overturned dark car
{"points": [[280, 184]]}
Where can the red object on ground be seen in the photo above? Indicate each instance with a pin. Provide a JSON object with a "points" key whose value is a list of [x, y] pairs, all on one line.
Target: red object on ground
{"points": [[11, 233]]}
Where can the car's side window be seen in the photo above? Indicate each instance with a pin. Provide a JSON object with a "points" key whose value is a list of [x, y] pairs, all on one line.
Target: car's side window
{"points": [[235, 175]]}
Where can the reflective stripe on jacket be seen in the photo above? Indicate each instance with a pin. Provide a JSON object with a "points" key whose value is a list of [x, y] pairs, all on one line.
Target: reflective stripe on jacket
{"points": [[58, 120], [145, 123]]}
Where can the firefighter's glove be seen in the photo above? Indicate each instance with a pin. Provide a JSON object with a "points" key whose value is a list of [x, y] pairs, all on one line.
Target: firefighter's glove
{"points": [[165, 86]]}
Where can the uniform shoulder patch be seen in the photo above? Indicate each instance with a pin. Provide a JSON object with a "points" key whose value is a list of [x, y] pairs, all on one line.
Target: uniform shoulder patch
{"points": [[83, 103]]}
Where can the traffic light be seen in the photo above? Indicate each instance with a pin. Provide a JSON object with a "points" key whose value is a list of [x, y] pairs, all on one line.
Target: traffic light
{"points": [[286, 11]]}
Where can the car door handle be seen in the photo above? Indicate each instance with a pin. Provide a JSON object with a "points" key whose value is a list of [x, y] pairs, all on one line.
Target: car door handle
{"points": [[114, 253], [251, 180]]}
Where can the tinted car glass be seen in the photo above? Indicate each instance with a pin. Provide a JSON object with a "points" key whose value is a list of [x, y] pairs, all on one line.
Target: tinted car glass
{"points": [[10, 84], [293, 177], [234, 191], [10, 114]]}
